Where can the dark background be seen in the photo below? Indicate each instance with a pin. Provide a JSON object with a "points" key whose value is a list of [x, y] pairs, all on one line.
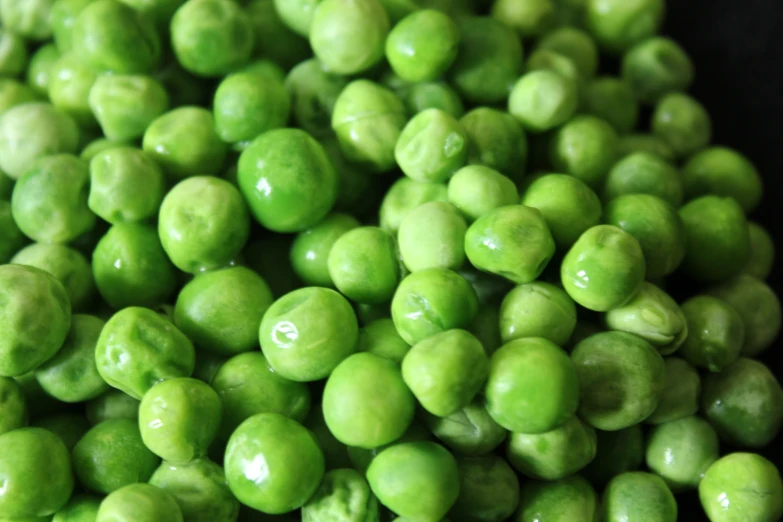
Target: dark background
{"points": [[737, 48]]}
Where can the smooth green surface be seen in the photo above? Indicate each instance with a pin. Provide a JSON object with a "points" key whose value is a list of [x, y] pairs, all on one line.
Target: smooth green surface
{"points": [[716, 333], [81, 508], [475, 190], [13, 407], [139, 503], [762, 252], [432, 146], [656, 67], [403, 196], [618, 24], [644, 172], [568, 500], [586, 148], [680, 395], [423, 45], [125, 105], [432, 236], [471, 432], [724, 172], [537, 309], [542, 100], [112, 404], [680, 451], [496, 140], [612, 100], [683, 123], [488, 490], [311, 247], [638, 496]]}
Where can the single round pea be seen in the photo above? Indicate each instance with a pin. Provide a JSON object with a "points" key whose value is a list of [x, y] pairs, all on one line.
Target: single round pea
{"points": [[13, 53], [680, 394], [67, 265], [537, 309], [204, 223], [542, 100], [742, 486], [273, 39], [69, 87], [380, 337], [576, 44], [139, 503], [112, 455], [423, 45], [184, 143], [532, 386], [716, 333], [554, 454], [432, 146], [111, 36], [363, 264], [113, 404], [29, 19], [621, 378], [131, 268], [637, 495], [718, 242], [604, 268], [470, 432], [618, 25], [476, 190], [81, 508], [403, 196], [644, 173], [348, 36], [71, 375], [431, 301], [612, 100], [496, 140], [125, 105], [310, 250], [35, 316], [723, 172], [13, 406], [36, 471], [313, 92], [31, 131], [39, 69], [680, 451], [566, 203], [744, 403], [179, 419], [432, 236], [138, 348], [488, 490], [489, 60], [683, 123], [70, 427], [211, 38], [200, 489], [571, 499], [404, 474], [297, 14], [287, 179], [343, 494], [273, 464], [656, 67], [432, 95], [618, 451], [762, 252], [528, 17], [512, 241], [586, 148], [633, 143]]}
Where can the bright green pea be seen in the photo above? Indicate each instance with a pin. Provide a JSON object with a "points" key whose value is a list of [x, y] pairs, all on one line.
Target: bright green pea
{"points": [[680, 395], [496, 140], [656, 67], [618, 451], [644, 173], [183, 141], [570, 499], [27, 18], [139, 503], [348, 37], [432, 146], [343, 495], [423, 45], [742, 486], [70, 427], [489, 490], [489, 60], [638, 495], [537, 309], [13, 54], [723, 172], [683, 123], [532, 386], [131, 268], [35, 316], [366, 402], [632, 143], [113, 404], [13, 406], [220, 310], [431, 301], [297, 14], [380, 337], [62, 18], [528, 17], [125, 105], [762, 252], [112, 455], [310, 250], [33, 130], [716, 333], [476, 190], [432, 236], [138, 348], [574, 44], [36, 471], [432, 95], [470, 431], [70, 82], [542, 100], [273, 464], [81, 508], [272, 37], [586, 148], [13, 93], [403, 474], [313, 93], [554, 454], [211, 38], [179, 419], [287, 179], [612, 100], [680, 451], [618, 24], [405, 195]]}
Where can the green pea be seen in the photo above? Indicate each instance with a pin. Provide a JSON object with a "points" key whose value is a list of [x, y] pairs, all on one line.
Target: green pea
{"points": [[537, 309], [574, 44], [348, 37], [405, 195], [432, 236], [287, 179], [39, 69], [621, 378], [71, 80], [638, 494], [112, 455], [310, 250], [13, 93], [683, 123], [13, 54], [29, 19], [618, 451], [612, 100], [380, 337], [33, 130], [273, 463], [476, 190], [571, 499], [742, 485], [644, 173], [100, 145], [81, 508], [547, 59], [36, 471], [762, 252], [432, 95], [723, 172], [113, 404], [431, 301], [586, 148], [496, 140], [680, 451], [632, 143], [542, 100], [489, 60], [618, 25], [313, 93], [489, 490], [272, 37], [432, 146], [680, 395], [125, 105], [297, 14], [344, 493], [70, 427], [528, 17], [403, 474], [139, 503], [62, 17], [184, 143], [138, 348], [716, 333], [470, 431], [423, 45], [656, 67], [13, 406]]}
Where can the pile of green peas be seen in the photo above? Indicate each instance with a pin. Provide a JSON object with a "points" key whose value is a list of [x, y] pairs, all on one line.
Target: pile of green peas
{"points": [[374, 260]]}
